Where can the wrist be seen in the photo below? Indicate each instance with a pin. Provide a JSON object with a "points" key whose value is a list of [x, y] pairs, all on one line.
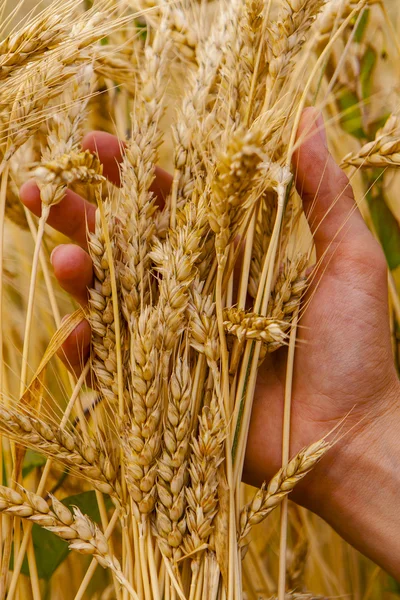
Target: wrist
{"points": [[356, 487]]}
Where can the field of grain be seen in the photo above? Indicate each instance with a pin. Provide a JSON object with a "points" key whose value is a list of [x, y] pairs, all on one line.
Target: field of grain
{"points": [[129, 397]]}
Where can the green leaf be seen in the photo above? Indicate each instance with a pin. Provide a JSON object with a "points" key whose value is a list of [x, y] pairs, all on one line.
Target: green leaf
{"points": [[351, 118], [362, 27], [368, 64], [32, 460], [386, 225], [394, 586], [50, 550]]}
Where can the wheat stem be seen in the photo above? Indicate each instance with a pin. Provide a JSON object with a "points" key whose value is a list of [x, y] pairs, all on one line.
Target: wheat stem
{"points": [[285, 457], [42, 485], [94, 564], [31, 298]]}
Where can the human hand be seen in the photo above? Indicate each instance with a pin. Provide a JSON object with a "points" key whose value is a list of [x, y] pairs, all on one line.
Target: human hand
{"points": [[343, 363], [344, 370]]}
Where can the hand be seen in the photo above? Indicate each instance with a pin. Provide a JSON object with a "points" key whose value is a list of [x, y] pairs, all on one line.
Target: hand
{"points": [[343, 363]]}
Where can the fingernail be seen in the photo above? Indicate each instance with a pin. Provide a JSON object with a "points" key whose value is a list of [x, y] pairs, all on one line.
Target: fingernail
{"points": [[56, 249], [320, 125]]}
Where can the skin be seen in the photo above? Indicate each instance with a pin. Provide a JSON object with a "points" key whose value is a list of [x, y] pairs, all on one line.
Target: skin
{"points": [[344, 373]]}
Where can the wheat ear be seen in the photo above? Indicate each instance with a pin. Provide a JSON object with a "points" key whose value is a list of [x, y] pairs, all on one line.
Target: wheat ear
{"points": [[271, 495], [81, 534]]}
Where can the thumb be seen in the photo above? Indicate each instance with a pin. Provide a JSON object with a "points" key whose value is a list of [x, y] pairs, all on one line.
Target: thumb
{"points": [[325, 189]]}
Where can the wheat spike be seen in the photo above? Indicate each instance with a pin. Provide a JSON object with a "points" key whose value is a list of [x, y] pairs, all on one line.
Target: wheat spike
{"points": [[84, 456], [382, 152], [271, 495], [231, 185], [80, 532], [202, 494], [287, 35], [101, 312], [250, 326], [142, 436], [172, 466]]}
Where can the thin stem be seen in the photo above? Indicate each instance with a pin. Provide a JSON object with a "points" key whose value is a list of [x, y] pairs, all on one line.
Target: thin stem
{"points": [[285, 455], [42, 485], [3, 200], [152, 568], [94, 564], [45, 271], [249, 369], [33, 573], [31, 299]]}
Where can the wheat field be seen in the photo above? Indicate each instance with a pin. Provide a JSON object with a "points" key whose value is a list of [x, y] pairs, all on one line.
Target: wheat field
{"points": [[123, 447]]}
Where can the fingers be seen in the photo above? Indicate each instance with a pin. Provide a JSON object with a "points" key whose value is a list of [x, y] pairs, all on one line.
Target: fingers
{"points": [[74, 270], [75, 350], [110, 152], [325, 190], [72, 216]]}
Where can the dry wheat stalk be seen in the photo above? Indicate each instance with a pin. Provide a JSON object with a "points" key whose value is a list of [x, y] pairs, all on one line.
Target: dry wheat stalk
{"points": [[383, 152], [251, 27], [271, 495], [137, 203], [193, 123], [34, 39], [62, 161]]}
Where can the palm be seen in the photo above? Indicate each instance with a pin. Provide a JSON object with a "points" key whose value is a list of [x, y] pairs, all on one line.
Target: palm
{"points": [[343, 343]]}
